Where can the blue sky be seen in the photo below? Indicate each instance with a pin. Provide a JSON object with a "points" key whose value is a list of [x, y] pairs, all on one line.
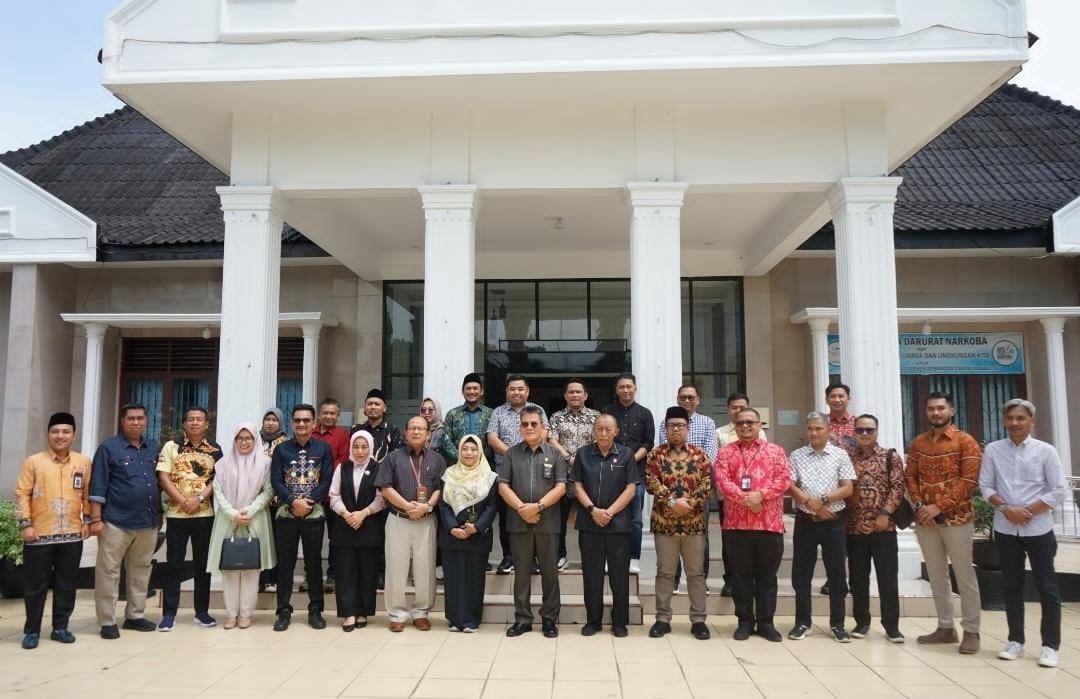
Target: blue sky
{"points": [[51, 77]]}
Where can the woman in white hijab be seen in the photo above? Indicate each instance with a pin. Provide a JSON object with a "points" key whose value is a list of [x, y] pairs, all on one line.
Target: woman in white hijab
{"points": [[241, 494], [466, 512]]}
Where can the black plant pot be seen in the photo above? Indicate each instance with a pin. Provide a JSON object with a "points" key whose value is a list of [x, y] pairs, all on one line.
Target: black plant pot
{"points": [[11, 579], [984, 553]]}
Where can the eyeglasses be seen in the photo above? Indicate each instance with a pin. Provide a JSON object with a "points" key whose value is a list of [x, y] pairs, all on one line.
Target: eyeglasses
{"points": [[865, 430], [744, 423], [416, 428], [683, 399], [427, 410], [530, 423], [671, 426], [245, 439], [302, 420]]}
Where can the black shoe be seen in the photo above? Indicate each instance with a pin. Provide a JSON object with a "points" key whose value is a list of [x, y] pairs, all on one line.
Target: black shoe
{"points": [[620, 631], [894, 635], [282, 622], [315, 620], [860, 631], [488, 567], [110, 632], [517, 629], [536, 567], [62, 635], [550, 629], [725, 591], [506, 566], [840, 634], [700, 631], [798, 632], [30, 641], [590, 629], [769, 633], [743, 631], [380, 584], [139, 625], [825, 589], [659, 629]]}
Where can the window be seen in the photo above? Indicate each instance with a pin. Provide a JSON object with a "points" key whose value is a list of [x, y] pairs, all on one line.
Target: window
{"points": [[978, 401]]}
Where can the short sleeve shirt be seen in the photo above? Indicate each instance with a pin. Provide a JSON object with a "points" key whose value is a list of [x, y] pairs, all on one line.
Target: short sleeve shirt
{"points": [[817, 473], [604, 479], [505, 422], [190, 468], [398, 471], [531, 473]]}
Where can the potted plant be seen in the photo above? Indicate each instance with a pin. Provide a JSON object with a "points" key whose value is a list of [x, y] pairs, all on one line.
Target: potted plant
{"points": [[11, 552], [984, 550]]}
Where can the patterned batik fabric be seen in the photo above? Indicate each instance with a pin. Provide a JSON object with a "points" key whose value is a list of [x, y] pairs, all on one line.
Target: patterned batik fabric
{"points": [[674, 473], [876, 488]]}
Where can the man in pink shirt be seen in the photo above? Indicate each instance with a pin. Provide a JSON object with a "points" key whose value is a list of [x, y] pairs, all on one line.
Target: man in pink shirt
{"points": [[753, 475]]}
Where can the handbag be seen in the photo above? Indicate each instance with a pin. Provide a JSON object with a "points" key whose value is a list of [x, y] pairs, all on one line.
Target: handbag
{"points": [[904, 515], [240, 553]]}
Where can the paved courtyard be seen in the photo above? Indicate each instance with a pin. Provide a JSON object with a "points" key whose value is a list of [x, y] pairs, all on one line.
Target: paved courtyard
{"points": [[372, 662]]}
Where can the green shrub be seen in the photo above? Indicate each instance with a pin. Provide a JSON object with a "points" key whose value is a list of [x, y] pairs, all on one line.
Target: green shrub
{"points": [[11, 545]]}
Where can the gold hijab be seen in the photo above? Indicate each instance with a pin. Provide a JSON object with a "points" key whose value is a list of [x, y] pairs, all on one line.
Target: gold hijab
{"points": [[466, 486]]}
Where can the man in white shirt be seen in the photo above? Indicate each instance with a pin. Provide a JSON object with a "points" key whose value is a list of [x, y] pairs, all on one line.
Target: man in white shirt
{"points": [[1021, 477]]}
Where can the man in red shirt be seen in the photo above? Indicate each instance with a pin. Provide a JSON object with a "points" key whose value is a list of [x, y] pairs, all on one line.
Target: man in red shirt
{"points": [[754, 475], [337, 438]]}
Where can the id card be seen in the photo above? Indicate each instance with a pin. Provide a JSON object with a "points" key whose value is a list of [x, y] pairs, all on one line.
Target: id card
{"points": [[422, 494], [746, 483], [549, 470], [77, 480]]}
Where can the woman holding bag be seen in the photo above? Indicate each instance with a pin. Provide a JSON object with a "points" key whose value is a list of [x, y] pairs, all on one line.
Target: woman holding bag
{"points": [[241, 494]]}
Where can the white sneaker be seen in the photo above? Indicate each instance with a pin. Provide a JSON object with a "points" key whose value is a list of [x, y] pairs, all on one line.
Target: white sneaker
{"points": [[439, 575], [635, 565], [562, 563], [1011, 651], [1048, 657]]}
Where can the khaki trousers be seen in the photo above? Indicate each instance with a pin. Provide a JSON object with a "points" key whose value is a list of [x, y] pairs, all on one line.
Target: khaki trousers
{"points": [[134, 548], [941, 546], [410, 541], [669, 550], [241, 591]]}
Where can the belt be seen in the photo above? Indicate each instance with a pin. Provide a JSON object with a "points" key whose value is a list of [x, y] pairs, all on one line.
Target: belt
{"points": [[399, 513]]}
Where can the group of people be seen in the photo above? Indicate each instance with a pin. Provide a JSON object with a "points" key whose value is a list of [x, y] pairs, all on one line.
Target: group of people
{"points": [[394, 504]]}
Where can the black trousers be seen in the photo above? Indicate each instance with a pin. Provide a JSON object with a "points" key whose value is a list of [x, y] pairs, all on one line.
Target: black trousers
{"points": [[879, 548], [504, 534], [331, 561], [527, 546], [357, 575], [832, 539], [725, 550], [596, 551], [464, 578], [756, 556], [565, 506], [269, 576], [178, 531], [44, 565], [1040, 550], [308, 532]]}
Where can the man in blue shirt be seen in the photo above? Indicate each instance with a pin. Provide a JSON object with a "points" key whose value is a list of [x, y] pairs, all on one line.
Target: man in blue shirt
{"points": [[125, 515]]}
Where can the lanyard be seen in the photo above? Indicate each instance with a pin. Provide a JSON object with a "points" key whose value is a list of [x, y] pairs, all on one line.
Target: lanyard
{"points": [[742, 457], [417, 469]]}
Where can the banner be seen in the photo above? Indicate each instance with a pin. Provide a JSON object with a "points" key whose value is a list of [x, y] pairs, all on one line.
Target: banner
{"points": [[952, 353]]}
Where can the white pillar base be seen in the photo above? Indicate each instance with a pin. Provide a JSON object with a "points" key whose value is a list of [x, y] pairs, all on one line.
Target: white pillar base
{"points": [[909, 556]]}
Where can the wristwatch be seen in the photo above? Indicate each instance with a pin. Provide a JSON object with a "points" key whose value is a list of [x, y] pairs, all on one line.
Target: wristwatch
{"points": [[200, 497], [539, 506], [590, 508], [1002, 507], [825, 499]]}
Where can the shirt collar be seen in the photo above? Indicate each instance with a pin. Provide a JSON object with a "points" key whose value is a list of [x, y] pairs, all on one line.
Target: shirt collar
{"points": [[949, 432], [756, 443], [843, 419], [56, 458]]}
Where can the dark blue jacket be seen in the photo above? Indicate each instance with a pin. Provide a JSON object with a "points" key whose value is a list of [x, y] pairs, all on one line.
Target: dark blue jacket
{"points": [[124, 480], [302, 472]]}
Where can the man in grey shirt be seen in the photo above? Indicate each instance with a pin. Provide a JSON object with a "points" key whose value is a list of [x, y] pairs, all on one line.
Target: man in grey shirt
{"points": [[1021, 477], [532, 481]]}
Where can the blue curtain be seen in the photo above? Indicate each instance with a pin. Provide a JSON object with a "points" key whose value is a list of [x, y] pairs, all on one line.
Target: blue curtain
{"points": [[956, 386], [996, 391], [151, 393], [187, 393], [289, 393]]}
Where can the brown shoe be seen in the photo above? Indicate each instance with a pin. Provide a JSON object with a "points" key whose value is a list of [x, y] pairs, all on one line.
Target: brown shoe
{"points": [[423, 624], [940, 635], [397, 626], [244, 622], [970, 644]]}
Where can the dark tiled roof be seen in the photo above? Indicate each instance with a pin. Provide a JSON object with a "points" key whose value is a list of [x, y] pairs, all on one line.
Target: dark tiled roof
{"points": [[993, 178], [149, 194], [997, 175]]}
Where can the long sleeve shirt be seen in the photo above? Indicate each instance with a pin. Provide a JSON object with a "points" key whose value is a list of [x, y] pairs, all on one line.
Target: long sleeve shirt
{"points": [[678, 473], [337, 438], [766, 467], [461, 421], [52, 495], [302, 471], [124, 481], [944, 471], [1021, 474], [637, 429], [359, 473], [877, 487], [702, 434]]}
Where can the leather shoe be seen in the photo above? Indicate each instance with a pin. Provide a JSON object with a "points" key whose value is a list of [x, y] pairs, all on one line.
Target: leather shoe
{"points": [[139, 625], [742, 632], [620, 631], [590, 629], [769, 633], [550, 629], [422, 623], [282, 621], [517, 629], [700, 631], [970, 643], [110, 632], [315, 620], [659, 629], [939, 635], [30, 641], [62, 635], [397, 626], [726, 591]]}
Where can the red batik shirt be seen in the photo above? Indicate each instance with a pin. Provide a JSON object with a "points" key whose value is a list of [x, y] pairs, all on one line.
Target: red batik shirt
{"points": [[767, 466], [842, 432]]}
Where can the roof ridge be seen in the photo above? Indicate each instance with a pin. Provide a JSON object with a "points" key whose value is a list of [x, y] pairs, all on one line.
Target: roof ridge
{"points": [[1038, 98], [21, 155]]}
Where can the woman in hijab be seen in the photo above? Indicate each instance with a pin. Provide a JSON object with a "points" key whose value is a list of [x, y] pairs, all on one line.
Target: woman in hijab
{"points": [[272, 434], [357, 533], [466, 511], [241, 494], [430, 410]]}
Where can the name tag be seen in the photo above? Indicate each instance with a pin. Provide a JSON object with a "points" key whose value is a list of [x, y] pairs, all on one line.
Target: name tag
{"points": [[77, 480], [549, 470], [746, 483]]}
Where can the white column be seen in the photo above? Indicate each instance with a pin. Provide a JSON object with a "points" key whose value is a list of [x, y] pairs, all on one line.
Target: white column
{"points": [[311, 361], [1059, 396], [250, 284], [449, 288], [91, 420], [819, 342], [655, 283], [862, 211]]}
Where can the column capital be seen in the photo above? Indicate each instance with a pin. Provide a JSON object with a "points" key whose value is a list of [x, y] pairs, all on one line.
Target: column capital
{"points": [[819, 325], [656, 194], [1053, 326], [863, 190], [248, 203], [311, 330], [95, 330], [448, 196]]}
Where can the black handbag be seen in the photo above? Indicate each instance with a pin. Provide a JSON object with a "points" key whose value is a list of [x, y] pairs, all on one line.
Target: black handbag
{"points": [[904, 515], [240, 553]]}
